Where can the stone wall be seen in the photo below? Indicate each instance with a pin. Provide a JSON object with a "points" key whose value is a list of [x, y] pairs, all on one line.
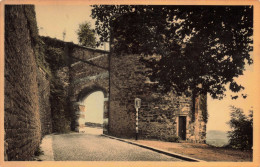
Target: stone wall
{"points": [[27, 115], [57, 60], [84, 67], [88, 73], [81, 71], [44, 101], [89, 69], [196, 128], [22, 118], [69, 74], [159, 112]]}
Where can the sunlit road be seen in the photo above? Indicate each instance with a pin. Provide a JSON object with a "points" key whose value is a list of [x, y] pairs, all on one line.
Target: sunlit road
{"points": [[91, 146]]}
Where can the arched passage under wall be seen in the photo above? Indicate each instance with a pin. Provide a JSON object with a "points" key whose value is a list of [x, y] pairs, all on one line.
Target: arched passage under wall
{"points": [[94, 107], [81, 107]]}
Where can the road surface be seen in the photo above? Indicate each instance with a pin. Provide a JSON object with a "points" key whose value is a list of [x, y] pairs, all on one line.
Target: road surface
{"points": [[91, 146]]}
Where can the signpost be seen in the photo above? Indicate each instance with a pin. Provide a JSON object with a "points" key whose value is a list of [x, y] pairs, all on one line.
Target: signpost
{"points": [[137, 106]]}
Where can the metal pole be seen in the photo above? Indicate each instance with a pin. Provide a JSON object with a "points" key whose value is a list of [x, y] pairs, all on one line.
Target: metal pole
{"points": [[136, 123]]}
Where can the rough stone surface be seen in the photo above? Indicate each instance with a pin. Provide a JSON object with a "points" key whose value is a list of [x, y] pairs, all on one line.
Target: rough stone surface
{"points": [[80, 71], [83, 75], [22, 118], [84, 71], [44, 101], [158, 115]]}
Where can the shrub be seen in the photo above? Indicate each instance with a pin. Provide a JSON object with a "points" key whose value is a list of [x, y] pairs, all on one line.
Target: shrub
{"points": [[173, 139], [38, 152], [241, 134]]}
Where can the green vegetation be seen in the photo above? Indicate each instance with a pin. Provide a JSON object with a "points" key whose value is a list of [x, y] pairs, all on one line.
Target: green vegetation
{"points": [[200, 48], [165, 137], [203, 107], [38, 152], [86, 35], [56, 59], [241, 134], [174, 138], [59, 107], [50, 57], [41, 58]]}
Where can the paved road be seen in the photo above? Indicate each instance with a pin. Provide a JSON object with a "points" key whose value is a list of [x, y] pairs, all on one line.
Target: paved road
{"points": [[94, 147]]}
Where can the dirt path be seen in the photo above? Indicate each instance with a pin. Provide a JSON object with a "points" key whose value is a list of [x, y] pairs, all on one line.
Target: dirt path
{"points": [[201, 151]]}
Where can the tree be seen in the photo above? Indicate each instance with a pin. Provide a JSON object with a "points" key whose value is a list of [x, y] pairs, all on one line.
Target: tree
{"points": [[199, 49], [86, 35], [241, 134]]}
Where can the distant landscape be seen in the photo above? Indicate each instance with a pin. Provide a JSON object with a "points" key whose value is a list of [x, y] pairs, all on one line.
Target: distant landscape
{"points": [[214, 137], [92, 124], [217, 138]]}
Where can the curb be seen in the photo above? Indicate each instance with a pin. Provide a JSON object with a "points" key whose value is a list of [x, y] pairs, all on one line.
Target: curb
{"points": [[182, 157]]}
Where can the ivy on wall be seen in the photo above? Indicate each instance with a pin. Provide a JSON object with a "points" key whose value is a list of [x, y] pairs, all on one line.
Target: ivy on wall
{"points": [[56, 58], [203, 107], [60, 114], [50, 57]]}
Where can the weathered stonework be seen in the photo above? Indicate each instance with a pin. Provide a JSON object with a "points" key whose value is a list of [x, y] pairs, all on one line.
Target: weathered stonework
{"points": [[22, 117], [89, 69], [84, 71], [196, 130], [78, 72], [159, 113], [44, 101]]}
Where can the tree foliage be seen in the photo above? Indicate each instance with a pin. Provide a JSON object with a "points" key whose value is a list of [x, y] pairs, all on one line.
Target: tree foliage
{"points": [[241, 134], [86, 35], [199, 49]]}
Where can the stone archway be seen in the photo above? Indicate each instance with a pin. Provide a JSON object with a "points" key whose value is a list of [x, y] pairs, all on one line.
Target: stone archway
{"points": [[79, 107]]}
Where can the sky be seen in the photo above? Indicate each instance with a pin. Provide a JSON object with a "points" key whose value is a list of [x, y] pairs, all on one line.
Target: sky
{"points": [[219, 110], [54, 20]]}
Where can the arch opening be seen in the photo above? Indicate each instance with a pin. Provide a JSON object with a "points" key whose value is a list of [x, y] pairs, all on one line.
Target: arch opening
{"points": [[94, 113]]}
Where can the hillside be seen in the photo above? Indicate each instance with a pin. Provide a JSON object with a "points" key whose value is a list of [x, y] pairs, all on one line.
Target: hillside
{"points": [[217, 138]]}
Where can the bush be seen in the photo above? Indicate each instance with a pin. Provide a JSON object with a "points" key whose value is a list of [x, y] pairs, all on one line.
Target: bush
{"points": [[241, 134], [38, 152], [173, 139]]}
